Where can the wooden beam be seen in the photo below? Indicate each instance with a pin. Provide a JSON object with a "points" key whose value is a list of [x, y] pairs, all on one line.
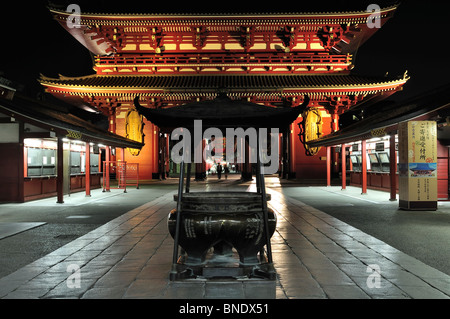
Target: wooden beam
{"points": [[37, 135]]}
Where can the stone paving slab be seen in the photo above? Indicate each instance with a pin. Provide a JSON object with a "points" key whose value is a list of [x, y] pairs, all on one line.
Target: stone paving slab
{"points": [[315, 256], [9, 229], [342, 256]]}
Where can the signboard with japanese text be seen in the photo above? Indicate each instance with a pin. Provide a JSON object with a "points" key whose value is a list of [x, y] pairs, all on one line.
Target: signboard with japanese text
{"points": [[418, 165]]}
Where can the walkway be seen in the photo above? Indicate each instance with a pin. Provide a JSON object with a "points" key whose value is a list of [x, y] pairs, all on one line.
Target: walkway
{"points": [[315, 255]]}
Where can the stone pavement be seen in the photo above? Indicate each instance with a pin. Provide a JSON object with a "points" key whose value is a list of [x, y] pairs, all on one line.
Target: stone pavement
{"points": [[316, 256]]}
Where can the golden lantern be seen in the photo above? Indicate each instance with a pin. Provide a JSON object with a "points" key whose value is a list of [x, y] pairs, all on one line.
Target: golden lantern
{"points": [[311, 129], [134, 128]]}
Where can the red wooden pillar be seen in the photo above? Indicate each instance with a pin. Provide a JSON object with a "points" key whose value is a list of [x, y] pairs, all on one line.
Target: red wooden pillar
{"points": [[344, 168], [60, 171], [364, 167], [328, 166], [124, 169], [87, 170], [107, 166], [112, 129], [334, 154], [393, 167], [23, 171], [167, 156]]}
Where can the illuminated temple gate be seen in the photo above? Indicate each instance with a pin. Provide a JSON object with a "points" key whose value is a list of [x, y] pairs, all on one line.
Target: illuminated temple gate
{"points": [[269, 59]]}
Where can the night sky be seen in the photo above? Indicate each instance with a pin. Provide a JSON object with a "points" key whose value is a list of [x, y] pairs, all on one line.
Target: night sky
{"points": [[414, 40]]}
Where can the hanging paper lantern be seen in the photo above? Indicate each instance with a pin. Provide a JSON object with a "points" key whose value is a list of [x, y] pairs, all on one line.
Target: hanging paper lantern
{"points": [[134, 128]]}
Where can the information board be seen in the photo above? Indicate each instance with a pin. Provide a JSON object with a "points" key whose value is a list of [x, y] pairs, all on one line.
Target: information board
{"points": [[418, 165]]}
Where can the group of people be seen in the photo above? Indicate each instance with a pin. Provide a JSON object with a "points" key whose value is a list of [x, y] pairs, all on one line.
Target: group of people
{"points": [[220, 169]]}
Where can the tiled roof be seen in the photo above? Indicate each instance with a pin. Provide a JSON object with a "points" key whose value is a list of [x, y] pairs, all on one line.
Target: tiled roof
{"points": [[222, 112], [58, 119], [132, 9], [219, 81], [386, 120]]}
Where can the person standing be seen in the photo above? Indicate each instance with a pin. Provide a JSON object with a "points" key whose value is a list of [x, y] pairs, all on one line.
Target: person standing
{"points": [[226, 171], [219, 170]]}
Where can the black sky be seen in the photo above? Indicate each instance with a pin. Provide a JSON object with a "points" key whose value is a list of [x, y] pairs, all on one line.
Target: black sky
{"points": [[414, 40]]}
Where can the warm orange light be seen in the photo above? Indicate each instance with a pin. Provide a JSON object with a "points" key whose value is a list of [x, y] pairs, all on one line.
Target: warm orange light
{"points": [[312, 129], [134, 128]]}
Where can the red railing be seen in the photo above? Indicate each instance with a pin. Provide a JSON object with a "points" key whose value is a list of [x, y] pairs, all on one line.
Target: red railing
{"points": [[239, 58], [119, 175], [223, 61]]}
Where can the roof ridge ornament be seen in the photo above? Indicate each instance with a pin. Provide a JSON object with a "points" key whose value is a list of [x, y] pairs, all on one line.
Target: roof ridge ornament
{"points": [[405, 75]]}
